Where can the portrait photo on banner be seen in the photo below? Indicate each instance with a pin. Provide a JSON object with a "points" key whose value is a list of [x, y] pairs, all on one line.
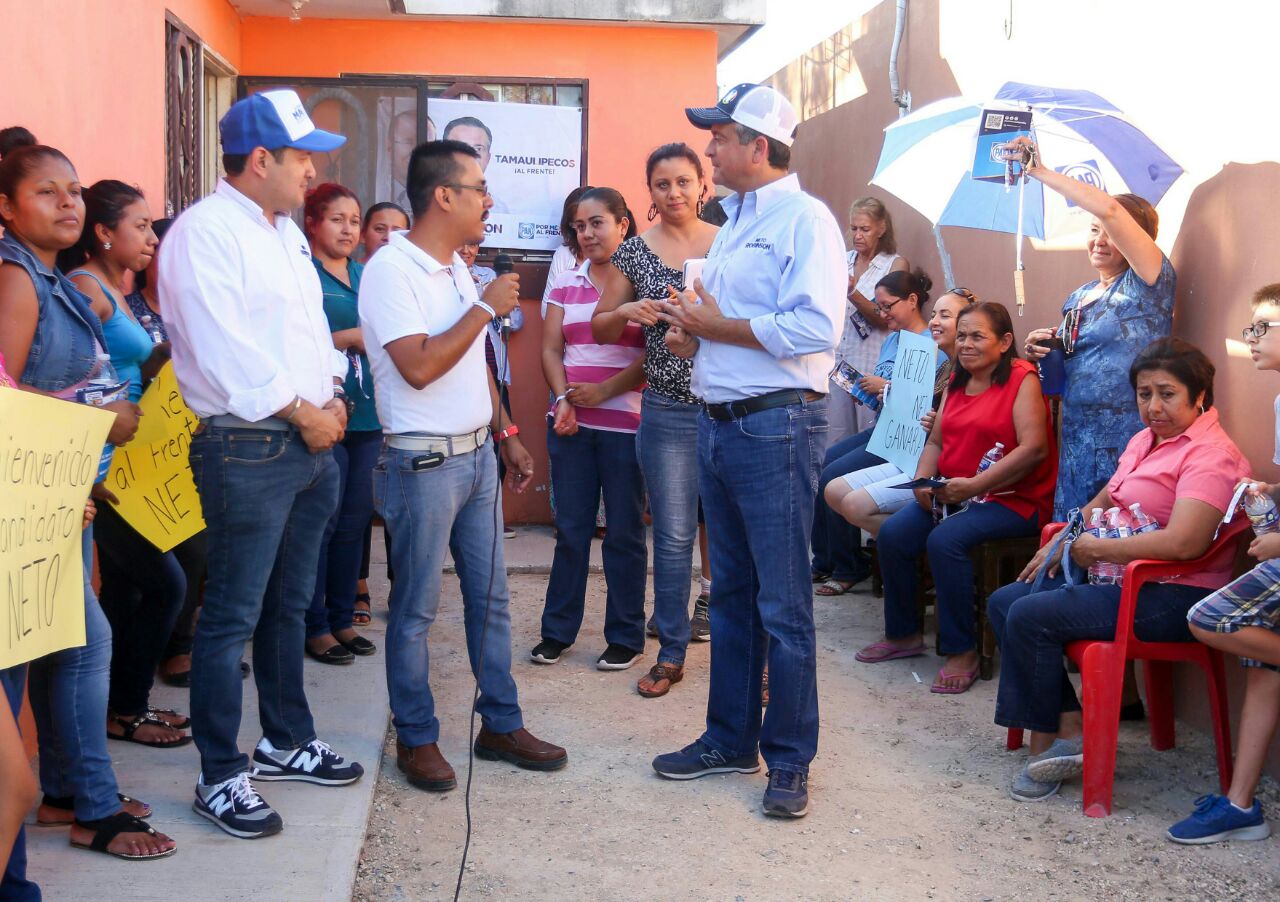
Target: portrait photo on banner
{"points": [[531, 154], [49, 453]]}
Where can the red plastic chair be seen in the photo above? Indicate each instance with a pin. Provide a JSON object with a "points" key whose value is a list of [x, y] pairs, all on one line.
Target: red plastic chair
{"points": [[1102, 676]]}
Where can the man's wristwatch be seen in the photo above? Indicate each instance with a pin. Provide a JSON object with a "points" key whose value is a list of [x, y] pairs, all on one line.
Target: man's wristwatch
{"points": [[341, 394]]}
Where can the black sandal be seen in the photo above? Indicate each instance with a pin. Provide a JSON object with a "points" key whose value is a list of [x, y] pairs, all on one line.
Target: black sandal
{"points": [[132, 725], [363, 616], [68, 803], [108, 828], [156, 712]]}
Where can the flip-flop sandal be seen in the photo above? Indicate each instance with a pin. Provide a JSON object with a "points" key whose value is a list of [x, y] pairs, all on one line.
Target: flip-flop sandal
{"points": [[969, 678], [878, 652], [132, 725], [661, 677], [834, 587], [362, 616], [161, 713], [68, 804], [108, 828]]}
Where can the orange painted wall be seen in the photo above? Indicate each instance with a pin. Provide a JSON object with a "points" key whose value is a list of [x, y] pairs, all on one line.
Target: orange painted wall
{"points": [[640, 80], [87, 76]]}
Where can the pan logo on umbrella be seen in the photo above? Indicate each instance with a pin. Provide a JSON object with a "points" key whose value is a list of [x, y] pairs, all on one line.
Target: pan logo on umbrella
{"points": [[1086, 171]]}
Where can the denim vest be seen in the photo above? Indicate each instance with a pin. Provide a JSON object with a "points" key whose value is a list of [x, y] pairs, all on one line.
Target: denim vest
{"points": [[68, 333]]}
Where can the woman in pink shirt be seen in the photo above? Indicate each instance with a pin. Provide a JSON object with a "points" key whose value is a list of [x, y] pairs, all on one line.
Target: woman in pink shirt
{"points": [[592, 443], [1182, 468]]}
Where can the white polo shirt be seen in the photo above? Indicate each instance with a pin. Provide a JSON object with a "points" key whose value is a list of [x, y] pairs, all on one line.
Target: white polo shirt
{"points": [[244, 309], [406, 291]]}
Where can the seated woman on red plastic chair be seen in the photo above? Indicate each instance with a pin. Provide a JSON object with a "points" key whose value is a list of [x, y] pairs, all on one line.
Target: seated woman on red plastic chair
{"points": [[1182, 469]]}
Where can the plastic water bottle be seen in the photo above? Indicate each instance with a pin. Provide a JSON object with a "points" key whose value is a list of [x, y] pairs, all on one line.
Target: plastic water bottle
{"points": [[992, 455], [1095, 527], [1261, 510], [1140, 521], [152, 327], [1117, 528]]}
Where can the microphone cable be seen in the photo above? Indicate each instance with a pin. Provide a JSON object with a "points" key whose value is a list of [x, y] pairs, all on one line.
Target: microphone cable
{"points": [[503, 401]]}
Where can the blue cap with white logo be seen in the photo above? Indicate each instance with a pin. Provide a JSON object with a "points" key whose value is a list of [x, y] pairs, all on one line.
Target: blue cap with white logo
{"points": [[273, 119]]}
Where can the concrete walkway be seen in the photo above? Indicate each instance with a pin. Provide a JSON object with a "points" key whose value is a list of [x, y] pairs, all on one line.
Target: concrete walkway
{"points": [[314, 858]]}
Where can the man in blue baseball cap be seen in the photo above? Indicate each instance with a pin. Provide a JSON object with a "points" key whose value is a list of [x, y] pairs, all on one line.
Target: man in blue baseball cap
{"points": [[256, 362], [762, 330]]}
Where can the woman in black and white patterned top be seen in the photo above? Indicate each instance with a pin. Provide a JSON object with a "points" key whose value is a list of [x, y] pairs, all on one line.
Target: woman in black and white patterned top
{"points": [[667, 443]]}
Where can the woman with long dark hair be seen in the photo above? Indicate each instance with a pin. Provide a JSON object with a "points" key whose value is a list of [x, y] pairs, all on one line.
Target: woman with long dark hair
{"points": [[647, 267], [591, 441], [53, 344], [142, 589]]}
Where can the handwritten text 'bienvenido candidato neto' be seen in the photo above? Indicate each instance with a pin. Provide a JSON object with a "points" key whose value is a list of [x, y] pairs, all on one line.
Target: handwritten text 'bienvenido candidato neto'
{"points": [[31, 537]]}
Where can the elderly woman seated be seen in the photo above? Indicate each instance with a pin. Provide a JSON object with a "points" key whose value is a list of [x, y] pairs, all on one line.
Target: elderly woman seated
{"points": [[993, 398], [1182, 469]]}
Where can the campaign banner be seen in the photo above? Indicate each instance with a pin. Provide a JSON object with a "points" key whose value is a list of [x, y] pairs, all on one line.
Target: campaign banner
{"points": [[49, 452], [898, 437], [151, 476], [531, 155]]}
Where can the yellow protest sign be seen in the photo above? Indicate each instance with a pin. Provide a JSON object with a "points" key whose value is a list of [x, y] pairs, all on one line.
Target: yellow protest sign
{"points": [[151, 475], [49, 453]]}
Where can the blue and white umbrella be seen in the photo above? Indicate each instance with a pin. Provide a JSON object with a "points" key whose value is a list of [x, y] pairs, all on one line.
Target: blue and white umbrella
{"points": [[927, 160]]}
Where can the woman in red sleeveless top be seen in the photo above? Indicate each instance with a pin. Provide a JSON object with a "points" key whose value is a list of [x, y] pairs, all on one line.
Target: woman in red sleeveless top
{"points": [[994, 398]]}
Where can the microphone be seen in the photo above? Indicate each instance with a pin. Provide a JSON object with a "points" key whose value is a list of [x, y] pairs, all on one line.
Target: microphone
{"points": [[503, 264]]}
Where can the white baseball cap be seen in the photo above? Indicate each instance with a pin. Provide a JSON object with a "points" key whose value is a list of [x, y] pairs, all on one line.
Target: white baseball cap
{"points": [[758, 107]]}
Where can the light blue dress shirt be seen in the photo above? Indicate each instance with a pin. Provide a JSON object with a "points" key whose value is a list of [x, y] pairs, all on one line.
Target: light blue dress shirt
{"points": [[779, 261]]}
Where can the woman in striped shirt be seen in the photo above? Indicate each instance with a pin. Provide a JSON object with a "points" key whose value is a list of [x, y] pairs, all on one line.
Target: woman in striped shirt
{"points": [[591, 441]]}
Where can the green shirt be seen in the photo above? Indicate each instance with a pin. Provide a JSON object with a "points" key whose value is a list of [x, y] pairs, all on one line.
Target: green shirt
{"points": [[342, 311]]}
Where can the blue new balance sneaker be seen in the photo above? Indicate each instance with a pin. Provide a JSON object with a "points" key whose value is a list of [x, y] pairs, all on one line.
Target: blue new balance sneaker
{"points": [[1216, 819], [699, 760], [787, 794], [314, 762]]}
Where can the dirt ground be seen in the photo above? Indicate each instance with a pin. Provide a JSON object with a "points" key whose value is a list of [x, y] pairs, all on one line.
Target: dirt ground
{"points": [[908, 795]]}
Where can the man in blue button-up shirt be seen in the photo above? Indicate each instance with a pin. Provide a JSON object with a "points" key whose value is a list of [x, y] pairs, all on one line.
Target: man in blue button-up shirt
{"points": [[762, 330]]}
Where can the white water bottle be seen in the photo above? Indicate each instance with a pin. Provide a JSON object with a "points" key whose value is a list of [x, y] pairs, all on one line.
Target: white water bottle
{"points": [[1095, 527], [1117, 528], [1261, 510], [993, 454], [153, 329], [1140, 521]]}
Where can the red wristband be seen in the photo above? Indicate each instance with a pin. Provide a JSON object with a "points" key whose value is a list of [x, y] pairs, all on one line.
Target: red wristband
{"points": [[511, 430]]}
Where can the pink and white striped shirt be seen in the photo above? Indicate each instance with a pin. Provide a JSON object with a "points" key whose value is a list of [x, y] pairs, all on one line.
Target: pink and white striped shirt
{"points": [[586, 361]]}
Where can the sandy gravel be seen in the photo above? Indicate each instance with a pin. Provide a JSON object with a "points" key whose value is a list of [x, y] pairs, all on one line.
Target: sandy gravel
{"points": [[908, 795]]}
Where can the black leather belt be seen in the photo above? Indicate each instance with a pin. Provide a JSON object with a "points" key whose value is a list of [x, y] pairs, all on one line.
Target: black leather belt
{"points": [[733, 410]]}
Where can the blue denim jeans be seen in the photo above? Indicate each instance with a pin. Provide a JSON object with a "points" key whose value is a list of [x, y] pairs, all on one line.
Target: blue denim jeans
{"points": [[667, 445], [911, 531], [758, 476], [837, 545], [583, 465], [342, 546], [68, 692], [14, 885], [453, 506], [266, 501], [1033, 629]]}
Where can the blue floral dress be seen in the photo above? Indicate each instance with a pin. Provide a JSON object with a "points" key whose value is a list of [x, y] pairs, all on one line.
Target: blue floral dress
{"points": [[1099, 415]]}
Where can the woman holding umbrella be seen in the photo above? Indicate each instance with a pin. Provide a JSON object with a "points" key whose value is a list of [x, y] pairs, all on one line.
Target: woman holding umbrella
{"points": [[1105, 323]]}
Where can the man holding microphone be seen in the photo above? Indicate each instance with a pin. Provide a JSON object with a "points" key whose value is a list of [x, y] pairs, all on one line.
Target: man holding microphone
{"points": [[436, 483], [762, 330]]}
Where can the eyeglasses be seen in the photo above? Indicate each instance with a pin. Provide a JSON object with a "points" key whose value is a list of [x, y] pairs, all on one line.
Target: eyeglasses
{"points": [[482, 189], [1257, 330], [965, 293], [885, 308]]}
